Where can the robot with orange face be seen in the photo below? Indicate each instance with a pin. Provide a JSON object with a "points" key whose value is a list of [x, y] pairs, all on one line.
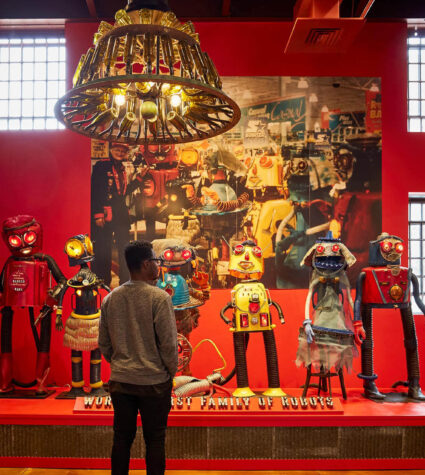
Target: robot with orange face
{"points": [[386, 284], [25, 281], [251, 304]]}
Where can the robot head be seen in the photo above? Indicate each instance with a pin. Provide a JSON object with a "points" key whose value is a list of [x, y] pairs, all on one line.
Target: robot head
{"points": [[23, 235], [328, 256], [264, 171], [79, 249], [173, 252], [246, 261], [386, 250]]}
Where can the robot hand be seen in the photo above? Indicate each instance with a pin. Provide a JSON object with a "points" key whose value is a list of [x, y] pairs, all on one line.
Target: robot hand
{"points": [[222, 313], [359, 333], [58, 322], [308, 330]]}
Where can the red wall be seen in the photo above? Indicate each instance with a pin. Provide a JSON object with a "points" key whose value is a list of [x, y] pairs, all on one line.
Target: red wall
{"points": [[48, 174]]}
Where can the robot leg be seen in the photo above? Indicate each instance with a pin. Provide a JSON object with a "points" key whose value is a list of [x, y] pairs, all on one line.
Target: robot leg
{"points": [[96, 383], [42, 367], [272, 365], [367, 374], [6, 351], [77, 382], [412, 358], [239, 345]]}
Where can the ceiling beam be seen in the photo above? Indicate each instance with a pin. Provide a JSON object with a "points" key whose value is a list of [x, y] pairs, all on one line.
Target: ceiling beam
{"points": [[363, 7], [92, 8], [225, 7]]}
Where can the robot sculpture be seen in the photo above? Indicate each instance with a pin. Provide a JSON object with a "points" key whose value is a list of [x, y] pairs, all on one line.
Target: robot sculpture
{"points": [[327, 341], [386, 284], [25, 281], [177, 259], [251, 313], [82, 326]]}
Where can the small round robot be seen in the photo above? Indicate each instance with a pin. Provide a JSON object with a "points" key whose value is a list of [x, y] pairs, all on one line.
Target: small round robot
{"points": [[386, 284], [82, 326], [251, 304], [25, 281]]}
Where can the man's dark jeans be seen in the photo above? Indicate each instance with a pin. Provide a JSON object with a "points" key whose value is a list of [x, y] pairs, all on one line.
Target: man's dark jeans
{"points": [[154, 413]]}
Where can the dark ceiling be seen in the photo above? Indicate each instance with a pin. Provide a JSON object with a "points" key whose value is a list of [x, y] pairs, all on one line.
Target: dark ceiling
{"points": [[204, 9]]}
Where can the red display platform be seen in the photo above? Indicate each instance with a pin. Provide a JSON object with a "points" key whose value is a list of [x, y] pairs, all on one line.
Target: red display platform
{"points": [[357, 433], [355, 411]]}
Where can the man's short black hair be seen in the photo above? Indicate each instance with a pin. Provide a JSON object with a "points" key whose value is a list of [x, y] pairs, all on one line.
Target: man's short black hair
{"points": [[136, 252]]}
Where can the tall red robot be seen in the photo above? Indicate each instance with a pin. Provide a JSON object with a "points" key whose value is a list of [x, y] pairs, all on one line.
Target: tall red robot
{"points": [[25, 281], [386, 284]]}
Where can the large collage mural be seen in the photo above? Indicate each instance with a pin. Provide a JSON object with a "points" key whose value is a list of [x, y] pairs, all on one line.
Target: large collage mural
{"points": [[304, 159]]}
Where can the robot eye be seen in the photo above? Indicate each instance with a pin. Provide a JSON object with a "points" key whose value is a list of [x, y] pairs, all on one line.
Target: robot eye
{"points": [[15, 241], [89, 244], [386, 246], [238, 249], [186, 254], [399, 247], [335, 248], [168, 255], [320, 249], [257, 251], [74, 248], [30, 237]]}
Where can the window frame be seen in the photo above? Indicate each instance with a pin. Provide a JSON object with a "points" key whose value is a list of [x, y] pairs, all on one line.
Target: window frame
{"points": [[27, 103]]}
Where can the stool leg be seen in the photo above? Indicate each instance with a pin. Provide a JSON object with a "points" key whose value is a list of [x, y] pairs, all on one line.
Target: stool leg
{"points": [[307, 381]]}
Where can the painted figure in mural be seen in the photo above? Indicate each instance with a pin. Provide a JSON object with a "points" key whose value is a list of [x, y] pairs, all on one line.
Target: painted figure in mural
{"points": [[110, 216], [251, 313], [308, 214], [386, 284], [327, 340], [25, 282], [82, 326], [187, 286]]}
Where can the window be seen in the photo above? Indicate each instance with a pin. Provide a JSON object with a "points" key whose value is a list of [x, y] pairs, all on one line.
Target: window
{"points": [[416, 81], [417, 241], [32, 78]]}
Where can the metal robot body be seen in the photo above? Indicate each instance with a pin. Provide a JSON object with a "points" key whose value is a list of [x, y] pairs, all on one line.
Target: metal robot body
{"points": [[386, 284], [251, 314], [26, 281], [82, 326]]}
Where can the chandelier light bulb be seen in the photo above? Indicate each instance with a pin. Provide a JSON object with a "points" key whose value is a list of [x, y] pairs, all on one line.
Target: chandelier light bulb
{"points": [[175, 100], [119, 99]]}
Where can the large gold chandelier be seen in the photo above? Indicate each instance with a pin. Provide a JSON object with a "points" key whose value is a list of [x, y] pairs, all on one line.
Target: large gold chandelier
{"points": [[146, 80]]}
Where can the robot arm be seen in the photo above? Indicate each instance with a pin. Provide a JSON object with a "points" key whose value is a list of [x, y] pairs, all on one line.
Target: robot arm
{"points": [[415, 285], [53, 267], [346, 283], [307, 322], [359, 333], [223, 311], [359, 295], [279, 311], [105, 287], [58, 322]]}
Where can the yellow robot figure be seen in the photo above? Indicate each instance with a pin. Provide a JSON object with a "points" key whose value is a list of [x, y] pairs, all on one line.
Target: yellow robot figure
{"points": [[251, 304]]}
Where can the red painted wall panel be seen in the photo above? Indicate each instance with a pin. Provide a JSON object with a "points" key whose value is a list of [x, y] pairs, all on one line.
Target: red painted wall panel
{"points": [[48, 174]]}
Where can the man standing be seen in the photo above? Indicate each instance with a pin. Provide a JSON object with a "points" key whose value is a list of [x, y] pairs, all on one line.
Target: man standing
{"points": [[138, 337], [110, 216]]}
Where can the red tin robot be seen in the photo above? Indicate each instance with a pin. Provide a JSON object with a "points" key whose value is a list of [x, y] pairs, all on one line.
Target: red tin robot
{"points": [[386, 284], [25, 281]]}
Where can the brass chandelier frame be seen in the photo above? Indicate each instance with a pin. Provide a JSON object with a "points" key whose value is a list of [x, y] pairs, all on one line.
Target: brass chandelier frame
{"points": [[147, 81]]}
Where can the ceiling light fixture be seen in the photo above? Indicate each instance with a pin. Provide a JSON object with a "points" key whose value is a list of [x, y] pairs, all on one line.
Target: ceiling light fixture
{"points": [[146, 80]]}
